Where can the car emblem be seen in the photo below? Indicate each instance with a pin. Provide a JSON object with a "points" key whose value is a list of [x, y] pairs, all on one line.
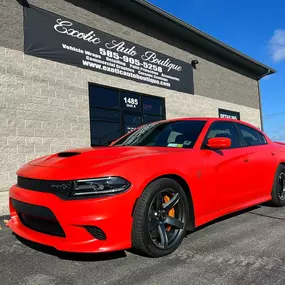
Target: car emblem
{"points": [[59, 186]]}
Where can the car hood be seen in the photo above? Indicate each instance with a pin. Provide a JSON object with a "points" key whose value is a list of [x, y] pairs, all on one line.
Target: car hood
{"points": [[98, 156]]}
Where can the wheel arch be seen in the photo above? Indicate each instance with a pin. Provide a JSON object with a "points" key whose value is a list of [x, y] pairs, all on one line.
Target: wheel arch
{"points": [[183, 183]]}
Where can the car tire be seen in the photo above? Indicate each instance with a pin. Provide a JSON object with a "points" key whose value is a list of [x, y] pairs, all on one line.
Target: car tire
{"points": [[278, 190], [158, 230]]}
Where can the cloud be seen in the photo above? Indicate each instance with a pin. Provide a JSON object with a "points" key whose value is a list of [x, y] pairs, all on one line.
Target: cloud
{"points": [[277, 45]]}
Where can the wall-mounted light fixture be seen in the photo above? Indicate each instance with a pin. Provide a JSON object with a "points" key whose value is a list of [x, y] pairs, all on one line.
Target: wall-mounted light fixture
{"points": [[194, 62], [24, 3]]}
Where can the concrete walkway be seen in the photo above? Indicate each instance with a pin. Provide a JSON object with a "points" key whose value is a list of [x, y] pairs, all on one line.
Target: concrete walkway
{"points": [[4, 203]]}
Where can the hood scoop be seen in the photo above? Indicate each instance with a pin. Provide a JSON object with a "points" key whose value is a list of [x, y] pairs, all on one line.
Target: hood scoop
{"points": [[67, 153]]}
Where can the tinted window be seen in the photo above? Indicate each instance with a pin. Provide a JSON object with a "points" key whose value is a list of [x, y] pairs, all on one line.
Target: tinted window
{"points": [[179, 134], [153, 106], [130, 101], [118, 112], [251, 136], [229, 114], [224, 129], [106, 115], [132, 122], [104, 132], [103, 97], [149, 119]]}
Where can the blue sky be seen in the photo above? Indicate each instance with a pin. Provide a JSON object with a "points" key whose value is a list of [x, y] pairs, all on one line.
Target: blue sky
{"points": [[256, 28]]}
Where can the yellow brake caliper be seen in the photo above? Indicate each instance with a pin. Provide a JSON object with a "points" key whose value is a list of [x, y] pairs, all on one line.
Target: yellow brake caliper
{"points": [[171, 213]]}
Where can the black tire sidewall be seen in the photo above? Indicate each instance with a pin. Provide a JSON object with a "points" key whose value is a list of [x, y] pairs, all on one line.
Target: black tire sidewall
{"points": [[143, 205], [275, 197]]}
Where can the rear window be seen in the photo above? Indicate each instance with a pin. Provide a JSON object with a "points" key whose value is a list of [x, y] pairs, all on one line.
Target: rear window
{"points": [[251, 137]]}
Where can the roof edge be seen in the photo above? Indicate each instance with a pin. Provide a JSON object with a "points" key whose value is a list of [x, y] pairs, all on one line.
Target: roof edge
{"points": [[268, 70]]}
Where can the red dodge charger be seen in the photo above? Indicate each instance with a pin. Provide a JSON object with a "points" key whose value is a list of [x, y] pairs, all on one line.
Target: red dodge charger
{"points": [[147, 188]]}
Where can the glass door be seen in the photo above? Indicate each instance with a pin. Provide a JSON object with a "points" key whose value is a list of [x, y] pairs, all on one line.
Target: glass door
{"points": [[114, 112]]}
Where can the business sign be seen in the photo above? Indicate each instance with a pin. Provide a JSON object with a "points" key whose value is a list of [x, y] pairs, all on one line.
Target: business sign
{"points": [[229, 114], [50, 36]]}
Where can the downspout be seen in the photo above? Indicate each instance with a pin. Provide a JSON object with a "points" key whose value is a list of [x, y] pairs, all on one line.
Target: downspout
{"points": [[259, 97]]}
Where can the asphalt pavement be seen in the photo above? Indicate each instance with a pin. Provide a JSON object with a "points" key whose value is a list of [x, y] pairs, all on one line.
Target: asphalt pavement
{"points": [[246, 248]]}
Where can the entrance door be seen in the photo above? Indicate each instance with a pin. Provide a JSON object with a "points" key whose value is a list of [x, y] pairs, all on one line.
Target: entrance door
{"points": [[114, 112], [131, 111], [131, 121]]}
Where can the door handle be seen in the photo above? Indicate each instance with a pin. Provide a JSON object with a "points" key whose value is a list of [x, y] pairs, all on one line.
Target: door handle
{"points": [[246, 160], [273, 153]]}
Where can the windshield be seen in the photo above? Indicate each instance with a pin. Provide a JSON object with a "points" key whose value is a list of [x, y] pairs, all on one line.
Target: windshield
{"points": [[181, 134]]}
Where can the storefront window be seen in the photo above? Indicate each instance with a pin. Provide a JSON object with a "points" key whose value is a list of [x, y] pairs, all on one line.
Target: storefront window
{"points": [[115, 112], [103, 133], [103, 98], [130, 102], [154, 106], [103, 114], [149, 119], [229, 114]]}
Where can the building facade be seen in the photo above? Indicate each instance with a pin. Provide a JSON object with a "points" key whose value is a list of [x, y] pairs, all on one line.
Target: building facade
{"points": [[83, 72]]}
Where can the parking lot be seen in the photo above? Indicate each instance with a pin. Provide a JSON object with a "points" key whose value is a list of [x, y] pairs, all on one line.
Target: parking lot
{"points": [[246, 248]]}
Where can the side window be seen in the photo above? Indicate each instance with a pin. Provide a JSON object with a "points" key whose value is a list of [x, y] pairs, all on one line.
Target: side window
{"points": [[251, 136], [262, 138], [224, 129]]}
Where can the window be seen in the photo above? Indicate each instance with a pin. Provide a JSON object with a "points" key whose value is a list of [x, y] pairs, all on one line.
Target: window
{"points": [[130, 102], [153, 106], [224, 129], [114, 112], [179, 134], [251, 136], [149, 118], [105, 115], [131, 122], [103, 133], [229, 114]]}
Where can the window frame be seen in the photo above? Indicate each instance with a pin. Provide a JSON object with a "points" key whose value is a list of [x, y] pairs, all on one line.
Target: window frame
{"points": [[220, 110], [244, 144], [204, 142]]}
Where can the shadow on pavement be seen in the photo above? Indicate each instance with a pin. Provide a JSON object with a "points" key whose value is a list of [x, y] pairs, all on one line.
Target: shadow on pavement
{"points": [[226, 217], [70, 255], [122, 254]]}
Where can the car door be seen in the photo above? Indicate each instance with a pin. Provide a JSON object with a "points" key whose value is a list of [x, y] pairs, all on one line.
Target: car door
{"points": [[262, 160], [226, 171]]}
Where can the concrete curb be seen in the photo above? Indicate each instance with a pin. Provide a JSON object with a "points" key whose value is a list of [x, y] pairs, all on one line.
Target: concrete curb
{"points": [[4, 203]]}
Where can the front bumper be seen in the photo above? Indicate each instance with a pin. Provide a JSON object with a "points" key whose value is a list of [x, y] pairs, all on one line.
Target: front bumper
{"points": [[112, 214]]}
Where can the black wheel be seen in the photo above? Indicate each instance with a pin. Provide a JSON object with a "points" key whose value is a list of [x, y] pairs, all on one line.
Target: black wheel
{"points": [[160, 218], [278, 191]]}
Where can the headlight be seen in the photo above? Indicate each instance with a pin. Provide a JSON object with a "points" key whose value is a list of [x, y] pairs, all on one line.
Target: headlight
{"points": [[100, 186]]}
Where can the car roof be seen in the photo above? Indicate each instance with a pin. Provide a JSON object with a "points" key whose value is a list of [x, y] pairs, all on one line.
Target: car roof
{"points": [[213, 119], [208, 119]]}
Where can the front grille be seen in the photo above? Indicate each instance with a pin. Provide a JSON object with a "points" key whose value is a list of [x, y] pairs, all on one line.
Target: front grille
{"points": [[38, 218], [51, 227], [96, 232], [59, 188]]}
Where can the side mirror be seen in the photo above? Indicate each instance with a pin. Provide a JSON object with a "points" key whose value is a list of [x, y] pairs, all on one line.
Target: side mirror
{"points": [[219, 143]]}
